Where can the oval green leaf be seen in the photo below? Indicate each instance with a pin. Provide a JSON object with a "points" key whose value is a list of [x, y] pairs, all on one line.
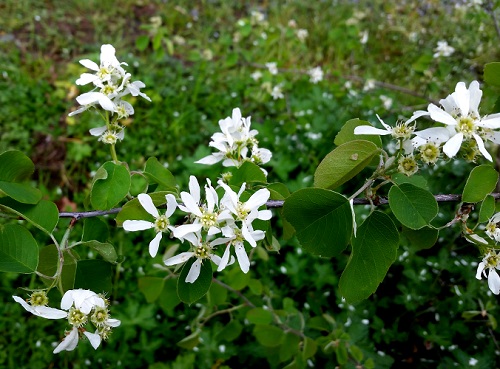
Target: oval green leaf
{"points": [[373, 251], [157, 173], [15, 166], [268, 335], [106, 250], [343, 163], [111, 184], [18, 249], [487, 209], [44, 215], [191, 292], [492, 74], [424, 238], [21, 192], [481, 182], [151, 287], [322, 220], [248, 172], [413, 206]]}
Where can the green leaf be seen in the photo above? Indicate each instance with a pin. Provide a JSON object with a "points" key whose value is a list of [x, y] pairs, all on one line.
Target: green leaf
{"points": [[15, 166], [492, 74], [157, 173], [424, 238], [111, 184], [94, 229], [18, 249], [415, 180], [268, 335], [21, 192], [343, 163], [259, 316], [346, 133], [191, 341], [373, 251], [310, 348], [133, 209], [248, 172], [481, 182], [142, 42], [94, 275], [106, 250], [341, 353], [49, 258], [487, 209], [138, 184], [290, 346], [191, 292], [168, 298], [237, 280], [322, 220], [151, 287], [44, 215], [413, 206], [230, 332]]}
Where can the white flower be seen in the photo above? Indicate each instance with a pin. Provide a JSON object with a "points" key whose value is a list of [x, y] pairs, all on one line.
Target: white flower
{"points": [[83, 300], [256, 75], [315, 74], [41, 311], [462, 116], [443, 49], [201, 251], [491, 261], [302, 34], [203, 216], [277, 93], [363, 37], [272, 67], [234, 236], [109, 68], [161, 223], [492, 229], [108, 136]]}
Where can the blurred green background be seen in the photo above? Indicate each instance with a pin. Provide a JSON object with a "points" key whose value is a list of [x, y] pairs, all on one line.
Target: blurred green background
{"points": [[199, 60]]}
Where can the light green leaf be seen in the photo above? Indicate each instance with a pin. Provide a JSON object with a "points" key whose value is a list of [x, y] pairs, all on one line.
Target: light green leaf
{"points": [[230, 332], [373, 251], [415, 180], [138, 184], [157, 173], [191, 292], [487, 209], [142, 42], [346, 133], [413, 206], [18, 249], [344, 162], [191, 341], [106, 250], [322, 220], [268, 335], [151, 287], [310, 348], [44, 215], [492, 74], [248, 172], [21, 192], [15, 166], [481, 182], [259, 316], [110, 186]]}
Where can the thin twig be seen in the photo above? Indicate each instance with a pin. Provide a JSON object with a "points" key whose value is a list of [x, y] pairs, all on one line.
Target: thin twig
{"points": [[231, 289]]}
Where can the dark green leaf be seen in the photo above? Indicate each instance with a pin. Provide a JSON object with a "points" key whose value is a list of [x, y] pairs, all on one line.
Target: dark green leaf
{"points": [[95, 229], [487, 209], [413, 206], [94, 275], [157, 173], [191, 292], [374, 249], [492, 74], [18, 249], [248, 172], [322, 220], [424, 238], [268, 335], [49, 259], [151, 287], [21, 192], [106, 250], [259, 315], [44, 215], [231, 331], [15, 166]]}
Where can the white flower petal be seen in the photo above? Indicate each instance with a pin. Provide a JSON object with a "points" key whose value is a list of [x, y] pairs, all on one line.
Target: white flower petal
{"points": [[94, 339], [98, 131], [439, 115], [494, 281], [462, 98], [451, 147], [259, 198], [42, 311], [155, 244], [480, 269], [183, 230], [194, 189], [113, 322], [86, 78], [216, 259], [190, 204], [386, 126], [369, 130], [225, 258], [194, 271], [480, 146], [246, 234], [87, 63], [171, 205], [210, 159], [242, 257], [475, 96], [137, 225], [69, 342], [147, 204], [89, 98], [178, 259]]}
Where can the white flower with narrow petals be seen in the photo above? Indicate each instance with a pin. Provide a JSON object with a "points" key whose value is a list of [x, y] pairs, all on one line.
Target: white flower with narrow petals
{"points": [[315, 74], [161, 223], [41, 311], [402, 130], [461, 115], [200, 250], [203, 216], [235, 237], [490, 262], [108, 136]]}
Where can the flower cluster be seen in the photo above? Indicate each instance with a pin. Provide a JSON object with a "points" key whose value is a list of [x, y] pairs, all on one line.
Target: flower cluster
{"points": [[80, 307], [111, 83], [490, 263], [464, 129], [236, 143], [210, 222]]}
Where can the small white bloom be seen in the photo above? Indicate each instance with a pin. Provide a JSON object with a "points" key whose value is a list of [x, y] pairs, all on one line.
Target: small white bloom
{"points": [[302, 34], [256, 75], [277, 93], [161, 223], [443, 49], [315, 74], [490, 262], [272, 67]]}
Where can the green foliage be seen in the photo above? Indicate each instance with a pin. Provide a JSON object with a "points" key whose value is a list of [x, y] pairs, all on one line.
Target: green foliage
{"points": [[413, 206], [481, 182], [190, 292], [110, 185], [18, 249]]}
